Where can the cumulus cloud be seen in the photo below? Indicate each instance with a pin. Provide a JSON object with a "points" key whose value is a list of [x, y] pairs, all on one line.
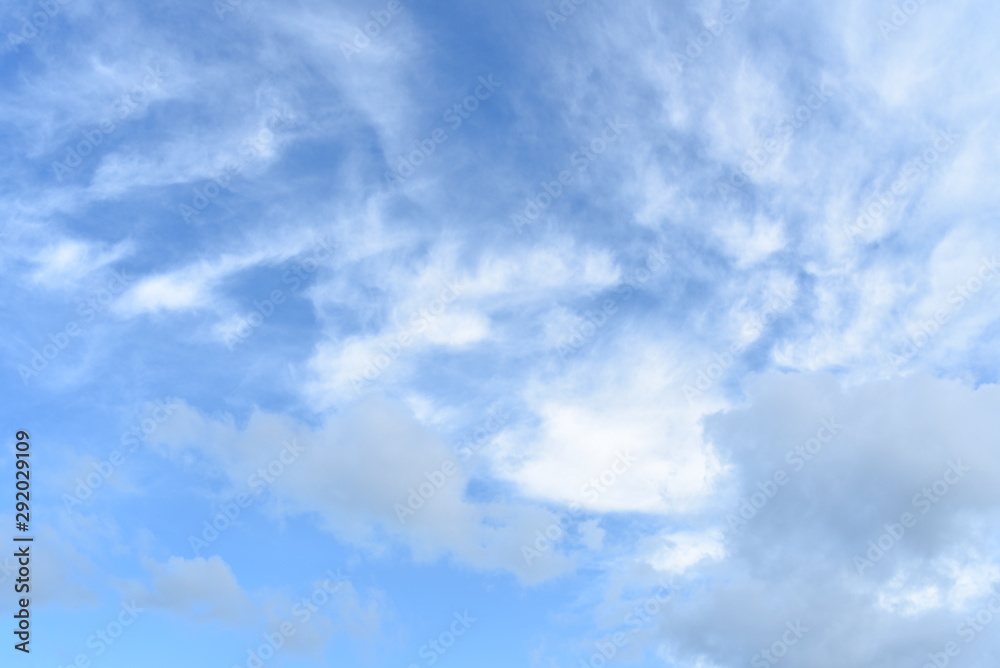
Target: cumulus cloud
{"points": [[800, 550], [199, 588], [749, 417], [373, 472]]}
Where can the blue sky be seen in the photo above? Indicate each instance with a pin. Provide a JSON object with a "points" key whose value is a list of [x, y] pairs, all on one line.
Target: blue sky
{"points": [[504, 334]]}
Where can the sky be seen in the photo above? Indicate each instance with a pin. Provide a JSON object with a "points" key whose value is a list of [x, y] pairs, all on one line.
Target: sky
{"points": [[544, 334]]}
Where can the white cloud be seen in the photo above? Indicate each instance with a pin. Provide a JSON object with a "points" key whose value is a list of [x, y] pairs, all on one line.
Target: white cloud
{"points": [[200, 589], [63, 265], [357, 472], [682, 550], [600, 410], [196, 284]]}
